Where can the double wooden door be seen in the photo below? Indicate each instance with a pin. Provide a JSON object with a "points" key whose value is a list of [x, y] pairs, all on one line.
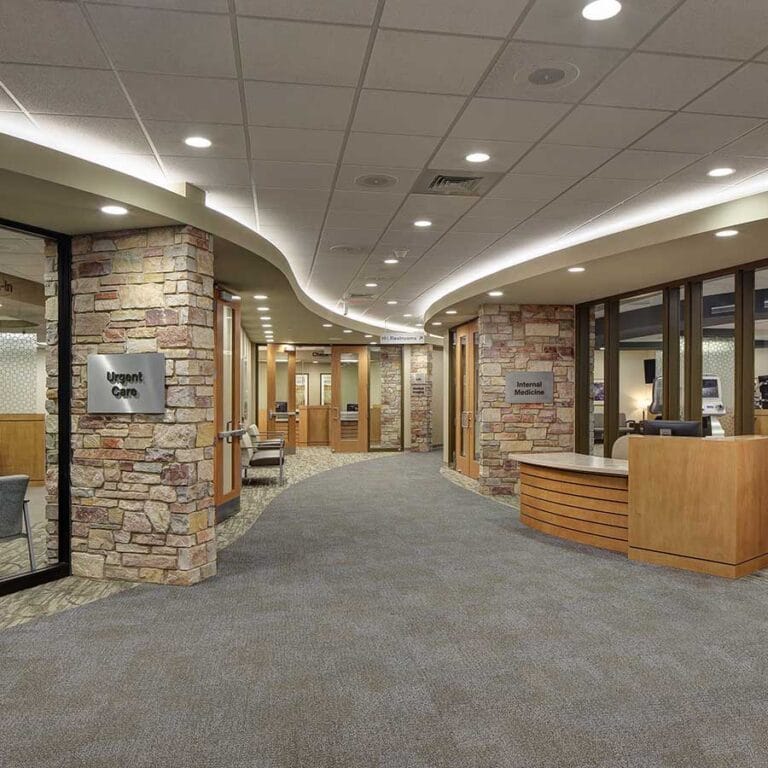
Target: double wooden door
{"points": [[349, 399], [281, 393], [466, 388]]}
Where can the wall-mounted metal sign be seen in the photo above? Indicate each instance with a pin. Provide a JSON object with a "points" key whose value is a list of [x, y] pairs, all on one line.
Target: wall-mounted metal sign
{"points": [[530, 387], [402, 338], [126, 383]]}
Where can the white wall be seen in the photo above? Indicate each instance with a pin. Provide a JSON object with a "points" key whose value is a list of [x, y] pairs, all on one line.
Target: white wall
{"points": [[438, 393]]}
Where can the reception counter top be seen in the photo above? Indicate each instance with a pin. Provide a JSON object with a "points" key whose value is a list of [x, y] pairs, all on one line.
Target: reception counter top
{"points": [[574, 462]]}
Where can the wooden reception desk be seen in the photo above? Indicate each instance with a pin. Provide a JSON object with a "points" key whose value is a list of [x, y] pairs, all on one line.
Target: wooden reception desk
{"points": [[698, 504]]}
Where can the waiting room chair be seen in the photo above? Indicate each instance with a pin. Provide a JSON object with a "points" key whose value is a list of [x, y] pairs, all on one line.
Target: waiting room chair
{"points": [[259, 450], [14, 512], [621, 448]]}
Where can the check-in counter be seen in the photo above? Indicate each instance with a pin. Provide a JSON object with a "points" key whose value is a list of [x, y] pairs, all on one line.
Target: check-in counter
{"points": [[693, 503]]}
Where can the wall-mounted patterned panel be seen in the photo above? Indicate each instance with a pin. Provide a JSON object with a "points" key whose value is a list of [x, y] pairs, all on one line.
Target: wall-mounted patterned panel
{"points": [[18, 373]]}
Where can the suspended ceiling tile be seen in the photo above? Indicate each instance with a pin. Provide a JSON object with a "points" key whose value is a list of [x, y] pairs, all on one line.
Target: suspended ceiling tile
{"points": [[366, 202], [521, 186], [195, 99], [203, 171], [745, 92], [556, 21], [229, 197], [170, 42], [583, 68], [389, 149], [491, 18], [40, 32], [592, 126], [292, 175], [505, 120], [453, 153], [422, 114], [207, 6], [689, 132], [754, 144], [375, 221], [271, 199], [707, 28], [655, 81], [605, 190], [66, 91], [168, 137], [644, 164], [427, 62], [294, 52], [743, 167], [296, 144], [298, 106], [289, 220], [563, 160], [357, 12], [100, 134]]}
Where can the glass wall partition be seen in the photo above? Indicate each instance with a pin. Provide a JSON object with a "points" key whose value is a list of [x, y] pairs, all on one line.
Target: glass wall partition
{"points": [[761, 352], [35, 387], [596, 384]]}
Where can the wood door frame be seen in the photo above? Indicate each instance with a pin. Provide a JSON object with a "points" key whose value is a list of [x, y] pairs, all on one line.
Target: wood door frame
{"points": [[361, 445], [466, 465], [221, 498], [290, 435]]}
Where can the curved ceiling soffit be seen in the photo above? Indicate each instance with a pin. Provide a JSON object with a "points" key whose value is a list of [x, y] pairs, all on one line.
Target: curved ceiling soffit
{"points": [[731, 213], [67, 171]]}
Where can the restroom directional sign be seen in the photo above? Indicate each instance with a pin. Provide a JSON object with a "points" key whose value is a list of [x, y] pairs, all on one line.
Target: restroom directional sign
{"points": [[132, 383], [530, 387]]}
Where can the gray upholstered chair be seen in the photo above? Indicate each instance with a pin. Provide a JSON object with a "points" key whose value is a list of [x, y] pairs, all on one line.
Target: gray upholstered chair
{"points": [[14, 512], [259, 450]]}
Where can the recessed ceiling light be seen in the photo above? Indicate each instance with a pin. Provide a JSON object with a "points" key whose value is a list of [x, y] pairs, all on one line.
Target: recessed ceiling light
{"points": [[198, 142], [327, 325], [391, 302], [371, 285], [346, 330], [266, 317], [727, 233], [437, 322], [450, 311], [600, 10], [235, 297], [391, 261], [576, 269], [368, 336], [495, 293], [422, 223], [260, 297], [315, 362], [408, 314], [262, 309], [716, 173], [477, 157], [266, 325], [114, 210]]}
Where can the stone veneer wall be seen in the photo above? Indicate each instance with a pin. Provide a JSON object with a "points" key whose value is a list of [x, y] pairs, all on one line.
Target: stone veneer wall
{"points": [[421, 398], [391, 367], [142, 485], [51, 284], [519, 338]]}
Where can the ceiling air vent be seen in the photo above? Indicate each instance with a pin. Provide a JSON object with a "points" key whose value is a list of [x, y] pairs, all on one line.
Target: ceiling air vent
{"points": [[376, 180], [455, 183], [356, 299]]}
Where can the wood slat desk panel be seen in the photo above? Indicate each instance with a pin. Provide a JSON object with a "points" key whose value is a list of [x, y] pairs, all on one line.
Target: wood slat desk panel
{"points": [[588, 508], [22, 445]]}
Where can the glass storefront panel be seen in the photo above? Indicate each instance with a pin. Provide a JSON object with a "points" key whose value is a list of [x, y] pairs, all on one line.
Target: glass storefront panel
{"points": [[761, 351], [28, 404], [597, 379], [718, 386]]}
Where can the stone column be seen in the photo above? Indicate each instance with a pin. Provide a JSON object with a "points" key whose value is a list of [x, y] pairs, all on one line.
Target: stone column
{"points": [[142, 485], [391, 367], [523, 338], [421, 397], [51, 283]]}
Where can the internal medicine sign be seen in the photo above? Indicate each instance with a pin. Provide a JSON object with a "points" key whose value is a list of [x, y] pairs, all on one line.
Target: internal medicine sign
{"points": [[530, 387], [132, 383]]}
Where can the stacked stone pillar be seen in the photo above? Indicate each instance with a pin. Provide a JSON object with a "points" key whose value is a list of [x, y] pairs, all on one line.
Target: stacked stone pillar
{"points": [[142, 485], [421, 397], [391, 367], [523, 338]]}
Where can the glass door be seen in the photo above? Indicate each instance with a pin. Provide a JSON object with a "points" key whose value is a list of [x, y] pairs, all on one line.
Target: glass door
{"points": [[466, 383], [281, 393], [349, 399], [227, 408]]}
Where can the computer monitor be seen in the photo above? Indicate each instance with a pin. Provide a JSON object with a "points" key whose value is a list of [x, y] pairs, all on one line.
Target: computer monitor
{"points": [[672, 428], [352, 407], [281, 406], [710, 387]]}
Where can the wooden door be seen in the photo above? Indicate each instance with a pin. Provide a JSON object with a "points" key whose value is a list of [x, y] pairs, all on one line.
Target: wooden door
{"points": [[281, 393], [466, 385], [227, 427], [349, 399]]}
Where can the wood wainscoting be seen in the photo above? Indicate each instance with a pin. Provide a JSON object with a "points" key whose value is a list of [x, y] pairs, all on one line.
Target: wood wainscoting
{"points": [[22, 445], [584, 507]]}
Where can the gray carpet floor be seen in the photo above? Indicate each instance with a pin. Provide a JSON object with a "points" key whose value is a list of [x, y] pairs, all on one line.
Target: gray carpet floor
{"points": [[378, 616]]}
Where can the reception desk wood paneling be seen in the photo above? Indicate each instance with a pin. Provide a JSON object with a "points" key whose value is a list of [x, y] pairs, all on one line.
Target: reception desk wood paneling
{"points": [[22, 445], [579, 498], [700, 504]]}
